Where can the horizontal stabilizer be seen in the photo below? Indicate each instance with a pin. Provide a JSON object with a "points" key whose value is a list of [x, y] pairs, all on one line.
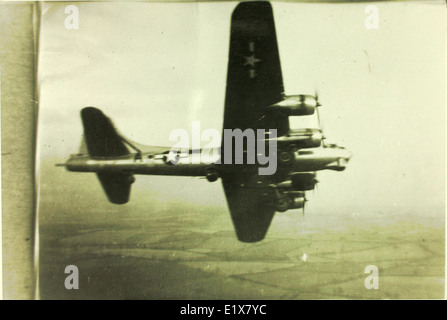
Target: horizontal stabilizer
{"points": [[116, 185]]}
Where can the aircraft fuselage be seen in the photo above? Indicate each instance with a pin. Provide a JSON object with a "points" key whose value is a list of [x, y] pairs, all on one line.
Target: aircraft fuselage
{"points": [[187, 165]]}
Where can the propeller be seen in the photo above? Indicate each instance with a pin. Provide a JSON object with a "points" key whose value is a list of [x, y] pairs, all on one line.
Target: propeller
{"points": [[315, 187], [318, 104], [304, 204], [316, 98], [318, 117]]}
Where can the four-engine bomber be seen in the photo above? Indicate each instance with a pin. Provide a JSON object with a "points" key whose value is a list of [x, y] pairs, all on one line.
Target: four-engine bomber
{"points": [[255, 101]]}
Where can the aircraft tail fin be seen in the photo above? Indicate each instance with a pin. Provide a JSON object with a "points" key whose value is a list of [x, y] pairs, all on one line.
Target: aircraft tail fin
{"points": [[83, 146], [100, 135], [103, 141]]}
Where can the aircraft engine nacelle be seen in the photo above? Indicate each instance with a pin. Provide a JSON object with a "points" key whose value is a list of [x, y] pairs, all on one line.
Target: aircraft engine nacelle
{"points": [[303, 181], [315, 140], [296, 105], [297, 203], [290, 200], [299, 181], [301, 139]]}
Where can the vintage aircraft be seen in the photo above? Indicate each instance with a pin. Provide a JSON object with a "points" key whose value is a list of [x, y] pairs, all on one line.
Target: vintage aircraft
{"points": [[254, 100]]}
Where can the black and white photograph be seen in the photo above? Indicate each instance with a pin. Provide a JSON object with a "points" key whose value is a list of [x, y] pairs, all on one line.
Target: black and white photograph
{"points": [[255, 150]]}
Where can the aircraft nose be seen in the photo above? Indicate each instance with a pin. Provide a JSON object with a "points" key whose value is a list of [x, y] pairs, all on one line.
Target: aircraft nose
{"points": [[347, 156], [344, 155]]}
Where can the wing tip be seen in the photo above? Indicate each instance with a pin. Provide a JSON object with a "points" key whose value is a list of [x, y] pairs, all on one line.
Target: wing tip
{"points": [[246, 8], [246, 239]]}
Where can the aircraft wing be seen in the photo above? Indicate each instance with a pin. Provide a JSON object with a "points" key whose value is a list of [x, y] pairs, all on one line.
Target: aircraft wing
{"points": [[254, 78], [254, 82], [250, 211]]}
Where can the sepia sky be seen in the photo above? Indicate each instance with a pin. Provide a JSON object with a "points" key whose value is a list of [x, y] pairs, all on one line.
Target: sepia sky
{"points": [[155, 67]]}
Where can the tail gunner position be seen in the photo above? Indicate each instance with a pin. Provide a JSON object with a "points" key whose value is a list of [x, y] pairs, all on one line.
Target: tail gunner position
{"points": [[255, 100]]}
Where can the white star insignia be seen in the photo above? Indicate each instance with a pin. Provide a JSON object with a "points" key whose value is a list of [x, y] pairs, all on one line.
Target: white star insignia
{"points": [[251, 60]]}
